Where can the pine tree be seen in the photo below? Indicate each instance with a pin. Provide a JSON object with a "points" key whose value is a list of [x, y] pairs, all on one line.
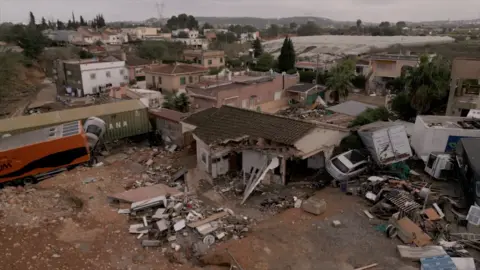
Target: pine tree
{"points": [[257, 48], [32, 20], [286, 60], [82, 21], [44, 24], [60, 25]]}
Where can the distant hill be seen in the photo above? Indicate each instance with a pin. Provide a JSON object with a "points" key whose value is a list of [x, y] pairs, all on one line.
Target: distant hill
{"points": [[262, 22]]}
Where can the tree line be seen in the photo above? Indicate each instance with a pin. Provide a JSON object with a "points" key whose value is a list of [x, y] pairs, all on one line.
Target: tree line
{"points": [[71, 24]]}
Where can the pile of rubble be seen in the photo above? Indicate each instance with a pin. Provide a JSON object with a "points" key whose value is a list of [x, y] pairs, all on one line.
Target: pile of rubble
{"points": [[414, 216], [302, 113], [178, 221]]}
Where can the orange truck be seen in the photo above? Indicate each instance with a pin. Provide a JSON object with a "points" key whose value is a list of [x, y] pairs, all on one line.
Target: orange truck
{"points": [[31, 156]]}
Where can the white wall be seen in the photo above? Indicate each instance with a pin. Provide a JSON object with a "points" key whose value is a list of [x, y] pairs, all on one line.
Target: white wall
{"points": [[251, 159], [118, 75]]}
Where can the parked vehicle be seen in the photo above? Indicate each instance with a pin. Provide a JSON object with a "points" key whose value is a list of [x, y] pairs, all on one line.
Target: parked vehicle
{"points": [[387, 142], [347, 165], [463, 165], [31, 156]]}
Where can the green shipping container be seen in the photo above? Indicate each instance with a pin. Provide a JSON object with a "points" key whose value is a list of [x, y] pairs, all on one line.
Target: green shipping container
{"points": [[123, 119]]}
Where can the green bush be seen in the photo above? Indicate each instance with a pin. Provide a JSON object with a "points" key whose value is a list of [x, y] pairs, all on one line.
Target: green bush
{"points": [[370, 116]]}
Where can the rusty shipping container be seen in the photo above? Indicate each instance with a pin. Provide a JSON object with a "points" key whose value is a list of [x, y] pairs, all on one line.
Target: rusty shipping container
{"points": [[123, 119]]}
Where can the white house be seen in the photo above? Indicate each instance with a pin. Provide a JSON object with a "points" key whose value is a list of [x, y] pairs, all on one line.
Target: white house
{"points": [[98, 76], [198, 43]]}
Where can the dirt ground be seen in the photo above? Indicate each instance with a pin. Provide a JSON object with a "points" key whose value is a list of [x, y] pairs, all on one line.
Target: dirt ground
{"points": [[64, 223]]}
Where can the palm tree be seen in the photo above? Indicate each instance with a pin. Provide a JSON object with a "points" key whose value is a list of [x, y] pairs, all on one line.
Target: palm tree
{"points": [[340, 79], [428, 83]]}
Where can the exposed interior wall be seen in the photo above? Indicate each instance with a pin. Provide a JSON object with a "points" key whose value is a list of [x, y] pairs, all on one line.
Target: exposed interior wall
{"points": [[203, 155]]}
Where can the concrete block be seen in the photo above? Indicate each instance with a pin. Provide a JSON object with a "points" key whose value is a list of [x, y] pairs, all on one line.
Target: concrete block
{"points": [[162, 225], [150, 243], [336, 223], [314, 206], [298, 203], [179, 225]]}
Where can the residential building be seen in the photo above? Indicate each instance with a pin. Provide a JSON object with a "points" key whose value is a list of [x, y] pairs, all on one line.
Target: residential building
{"points": [[249, 37], [89, 35], [464, 96], [194, 43], [308, 66], [391, 65], [246, 141], [306, 93], [88, 77], [208, 59], [257, 91], [159, 36], [215, 30], [151, 99], [167, 125], [211, 36], [173, 77], [64, 36], [133, 63], [141, 32], [114, 38]]}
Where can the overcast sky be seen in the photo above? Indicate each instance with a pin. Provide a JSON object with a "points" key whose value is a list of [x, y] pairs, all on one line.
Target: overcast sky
{"points": [[346, 10]]}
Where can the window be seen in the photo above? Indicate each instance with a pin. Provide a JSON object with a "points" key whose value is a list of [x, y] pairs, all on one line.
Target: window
{"points": [[245, 103], [277, 95], [125, 77], [108, 74], [182, 81], [221, 59], [122, 71], [190, 79], [159, 80], [209, 62], [93, 76]]}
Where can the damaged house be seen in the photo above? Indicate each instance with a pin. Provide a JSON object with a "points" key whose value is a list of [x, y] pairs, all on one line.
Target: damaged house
{"points": [[263, 147]]}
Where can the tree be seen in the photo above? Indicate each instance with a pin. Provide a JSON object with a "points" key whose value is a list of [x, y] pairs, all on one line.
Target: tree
{"points": [[370, 115], [182, 21], [293, 26], [228, 37], [44, 24], [384, 25], [207, 26], [98, 21], [308, 29], [85, 54], [32, 23], [82, 22], [257, 48], [60, 25], [340, 78], [192, 23], [401, 24], [286, 60], [176, 102], [31, 40], [152, 50], [70, 25], [249, 28], [264, 63], [273, 30], [402, 107], [359, 24]]}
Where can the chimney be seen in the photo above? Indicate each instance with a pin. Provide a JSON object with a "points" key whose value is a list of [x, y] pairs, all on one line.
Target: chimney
{"points": [[124, 56]]}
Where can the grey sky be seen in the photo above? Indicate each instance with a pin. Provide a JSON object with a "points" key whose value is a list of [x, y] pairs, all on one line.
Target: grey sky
{"points": [[366, 10]]}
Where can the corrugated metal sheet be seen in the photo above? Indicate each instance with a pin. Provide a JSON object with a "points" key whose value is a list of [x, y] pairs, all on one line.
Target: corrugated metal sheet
{"points": [[124, 119]]}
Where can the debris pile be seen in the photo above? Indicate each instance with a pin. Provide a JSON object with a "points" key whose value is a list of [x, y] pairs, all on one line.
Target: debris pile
{"points": [[302, 113], [178, 222], [413, 214]]}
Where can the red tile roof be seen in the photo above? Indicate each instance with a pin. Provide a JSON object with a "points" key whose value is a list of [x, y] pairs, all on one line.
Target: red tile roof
{"points": [[177, 68]]}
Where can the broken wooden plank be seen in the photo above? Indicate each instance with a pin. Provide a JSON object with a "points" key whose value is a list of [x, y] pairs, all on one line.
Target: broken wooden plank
{"points": [[208, 219], [368, 214], [367, 266]]}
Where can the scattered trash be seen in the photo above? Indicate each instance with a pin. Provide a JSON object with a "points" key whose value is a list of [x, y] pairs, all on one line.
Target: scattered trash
{"points": [[89, 180]]}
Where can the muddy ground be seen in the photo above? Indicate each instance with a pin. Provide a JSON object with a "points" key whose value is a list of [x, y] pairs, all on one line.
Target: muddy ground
{"points": [[64, 223]]}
